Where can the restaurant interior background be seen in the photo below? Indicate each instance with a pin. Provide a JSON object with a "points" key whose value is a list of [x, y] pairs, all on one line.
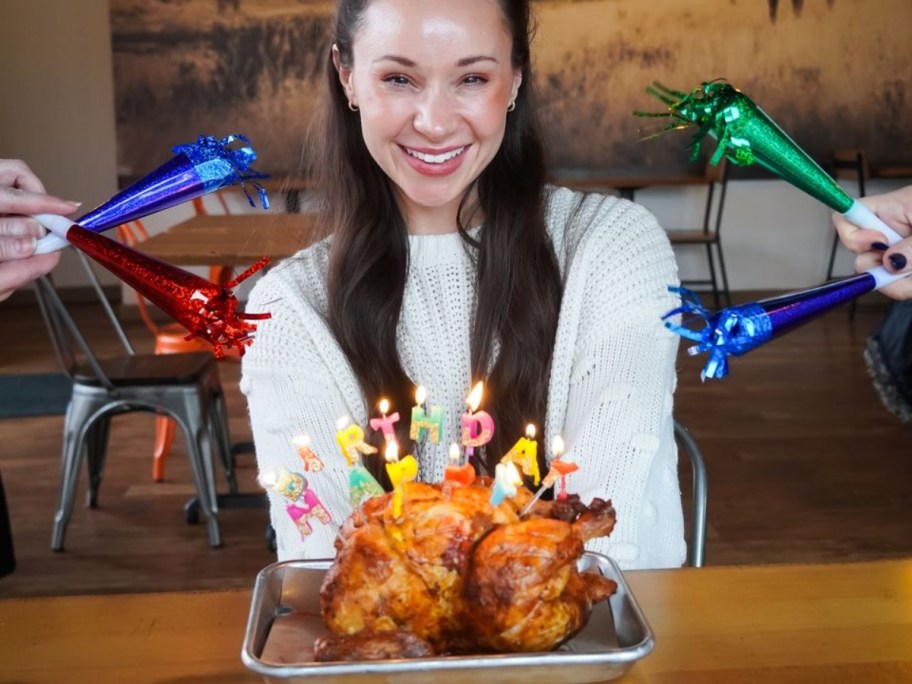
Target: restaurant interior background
{"points": [[65, 83], [85, 114]]}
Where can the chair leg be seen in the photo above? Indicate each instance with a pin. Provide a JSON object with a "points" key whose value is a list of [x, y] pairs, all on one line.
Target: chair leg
{"points": [[96, 452], [199, 449], [222, 438], [164, 435], [712, 276], [724, 273], [74, 432]]}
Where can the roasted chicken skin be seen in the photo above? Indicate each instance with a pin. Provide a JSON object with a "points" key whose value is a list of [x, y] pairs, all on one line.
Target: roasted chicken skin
{"points": [[461, 575]]}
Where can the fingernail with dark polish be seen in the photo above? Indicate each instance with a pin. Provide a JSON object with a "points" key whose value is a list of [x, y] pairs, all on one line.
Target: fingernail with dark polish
{"points": [[880, 246], [898, 261]]}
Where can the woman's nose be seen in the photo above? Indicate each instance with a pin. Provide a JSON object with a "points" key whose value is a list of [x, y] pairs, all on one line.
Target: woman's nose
{"points": [[435, 115]]}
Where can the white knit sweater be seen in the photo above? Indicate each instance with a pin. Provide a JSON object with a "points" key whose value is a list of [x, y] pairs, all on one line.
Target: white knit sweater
{"points": [[611, 382]]}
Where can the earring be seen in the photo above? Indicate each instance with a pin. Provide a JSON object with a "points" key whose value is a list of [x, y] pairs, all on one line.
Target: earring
{"points": [[352, 107], [511, 106]]}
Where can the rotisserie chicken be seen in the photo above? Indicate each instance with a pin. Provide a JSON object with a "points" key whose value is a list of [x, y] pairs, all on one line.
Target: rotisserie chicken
{"points": [[457, 575]]}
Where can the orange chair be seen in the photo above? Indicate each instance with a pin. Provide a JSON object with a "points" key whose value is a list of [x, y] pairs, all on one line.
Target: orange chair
{"points": [[171, 337]]}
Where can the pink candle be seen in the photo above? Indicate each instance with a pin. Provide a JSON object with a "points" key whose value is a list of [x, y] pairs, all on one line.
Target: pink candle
{"points": [[385, 423], [477, 426]]}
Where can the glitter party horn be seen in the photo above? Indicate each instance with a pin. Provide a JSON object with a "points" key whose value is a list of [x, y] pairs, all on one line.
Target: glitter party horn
{"points": [[197, 169], [747, 135], [207, 310], [737, 330]]}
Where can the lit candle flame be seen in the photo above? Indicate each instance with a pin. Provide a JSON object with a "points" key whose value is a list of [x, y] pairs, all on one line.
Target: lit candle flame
{"points": [[420, 395], [392, 451], [343, 423], [530, 431], [557, 446], [384, 406], [454, 454], [301, 441], [474, 398], [268, 479]]}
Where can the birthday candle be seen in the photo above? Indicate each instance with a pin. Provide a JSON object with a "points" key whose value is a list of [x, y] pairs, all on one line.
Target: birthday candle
{"points": [[563, 469], [455, 474], [425, 426], [288, 484], [557, 451], [385, 423], [309, 506], [362, 485], [506, 478], [400, 472], [525, 452], [311, 461], [477, 426], [351, 441]]}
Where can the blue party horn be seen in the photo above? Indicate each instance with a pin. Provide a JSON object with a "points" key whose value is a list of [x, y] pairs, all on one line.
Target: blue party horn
{"points": [[198, 168]]}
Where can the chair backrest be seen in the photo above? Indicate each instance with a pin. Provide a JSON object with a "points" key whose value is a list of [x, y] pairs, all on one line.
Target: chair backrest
{"points": [[851, 165], [696, 551], [69, 343]]}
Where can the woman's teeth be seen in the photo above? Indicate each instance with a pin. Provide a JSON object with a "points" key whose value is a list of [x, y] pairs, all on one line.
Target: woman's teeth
{"points": [[436, 158]]}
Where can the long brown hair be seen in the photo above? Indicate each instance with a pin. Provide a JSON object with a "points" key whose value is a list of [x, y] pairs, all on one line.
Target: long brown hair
{"points": [[518, 280]]}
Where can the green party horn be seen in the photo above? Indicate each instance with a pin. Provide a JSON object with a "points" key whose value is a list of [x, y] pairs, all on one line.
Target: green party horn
{"points": [[747, 135]]}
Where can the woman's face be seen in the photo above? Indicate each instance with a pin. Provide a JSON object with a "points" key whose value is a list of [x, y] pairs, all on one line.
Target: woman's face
{"points": [[433, 80]]}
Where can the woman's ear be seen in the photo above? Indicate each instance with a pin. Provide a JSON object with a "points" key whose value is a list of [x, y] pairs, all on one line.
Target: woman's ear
{"points": [[517, 81], [345, 72]]}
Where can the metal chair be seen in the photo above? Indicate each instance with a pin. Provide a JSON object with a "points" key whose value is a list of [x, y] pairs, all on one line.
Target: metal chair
{"points": [[184, 387], [170, 338], [696, 550], [709, 235]]}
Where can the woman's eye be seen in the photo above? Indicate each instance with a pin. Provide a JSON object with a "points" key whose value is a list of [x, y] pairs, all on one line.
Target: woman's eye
{"points": [[475, 79], [397, 80]]}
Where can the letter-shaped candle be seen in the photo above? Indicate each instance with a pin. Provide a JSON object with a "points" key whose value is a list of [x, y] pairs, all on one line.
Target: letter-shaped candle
{"points": [[311, 461], [425, 426], [362, 485], [506, 478], [563, 469], [477, 427], [525, 453], [385, 423], [310, 506], [455, 474], [351, 441], [400, 472]]}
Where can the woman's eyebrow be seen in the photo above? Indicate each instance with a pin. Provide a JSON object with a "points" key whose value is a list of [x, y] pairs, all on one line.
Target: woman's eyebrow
{"points": [[464, 62]]}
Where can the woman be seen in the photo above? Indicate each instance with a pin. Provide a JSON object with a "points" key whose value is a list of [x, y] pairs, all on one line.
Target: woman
{"points": [[452, 262]]}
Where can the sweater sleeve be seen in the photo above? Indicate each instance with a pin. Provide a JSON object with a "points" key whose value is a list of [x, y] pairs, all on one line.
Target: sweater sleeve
{"points": [[292, 389], [618, 424]]}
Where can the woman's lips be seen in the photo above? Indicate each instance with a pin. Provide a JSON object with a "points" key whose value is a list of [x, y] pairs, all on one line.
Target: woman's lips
{"points": [[435, 162]]}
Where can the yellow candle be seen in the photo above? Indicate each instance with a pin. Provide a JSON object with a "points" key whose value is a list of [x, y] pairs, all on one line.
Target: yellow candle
{"points": [[351, 441], [400, 471], [525, 453]]}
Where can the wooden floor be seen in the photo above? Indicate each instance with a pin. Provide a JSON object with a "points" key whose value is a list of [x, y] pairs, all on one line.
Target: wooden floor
{"points": [[804, 465]]}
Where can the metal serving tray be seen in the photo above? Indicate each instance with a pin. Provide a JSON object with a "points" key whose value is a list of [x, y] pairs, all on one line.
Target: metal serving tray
{"points": [[285, 619]]}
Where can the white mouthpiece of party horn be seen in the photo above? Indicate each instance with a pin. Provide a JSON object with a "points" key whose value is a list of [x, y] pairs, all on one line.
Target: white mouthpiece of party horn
{"points": [[859, 215], [58, 227]]}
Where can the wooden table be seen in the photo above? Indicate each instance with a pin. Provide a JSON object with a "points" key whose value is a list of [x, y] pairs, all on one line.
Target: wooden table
{"points": [[784, 624], [230, 239], [291, 188]]}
